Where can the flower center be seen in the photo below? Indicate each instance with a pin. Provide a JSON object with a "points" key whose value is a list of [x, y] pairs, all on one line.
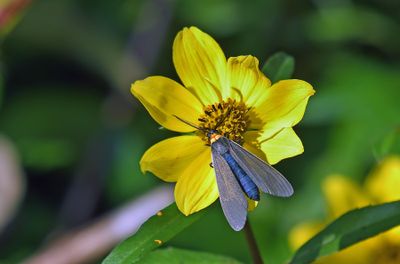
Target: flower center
{"points": [[228, 117]]}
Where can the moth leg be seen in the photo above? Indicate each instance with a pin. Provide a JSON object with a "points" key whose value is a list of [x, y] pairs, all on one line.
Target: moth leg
{"points": [[211, 165]]}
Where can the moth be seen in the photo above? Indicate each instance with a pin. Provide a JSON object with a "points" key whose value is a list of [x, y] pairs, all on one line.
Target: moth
{"points": [[241, 174]]}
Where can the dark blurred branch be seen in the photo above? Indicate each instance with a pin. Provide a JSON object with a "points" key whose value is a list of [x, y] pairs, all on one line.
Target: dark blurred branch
{"points": [[145, 42], [149, 33], [89, 243], [85, 190]]}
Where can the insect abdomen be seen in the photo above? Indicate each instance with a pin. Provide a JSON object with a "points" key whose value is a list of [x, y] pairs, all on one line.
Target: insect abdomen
{"points": [[248, 186]]}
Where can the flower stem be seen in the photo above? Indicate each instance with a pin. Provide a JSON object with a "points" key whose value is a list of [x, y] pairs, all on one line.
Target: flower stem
{"points": [[251, 241]]}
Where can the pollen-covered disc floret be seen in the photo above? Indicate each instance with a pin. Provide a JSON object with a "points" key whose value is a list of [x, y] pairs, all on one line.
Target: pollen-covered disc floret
{"points": [[228, 117]]}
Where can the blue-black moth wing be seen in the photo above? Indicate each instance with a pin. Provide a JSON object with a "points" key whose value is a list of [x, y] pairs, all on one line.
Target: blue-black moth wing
{"points": [[268, 179], [231, 196]]}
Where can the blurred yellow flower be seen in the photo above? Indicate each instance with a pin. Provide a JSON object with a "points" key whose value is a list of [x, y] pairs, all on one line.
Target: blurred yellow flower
{"points": [[342, 195], [261, 115]]}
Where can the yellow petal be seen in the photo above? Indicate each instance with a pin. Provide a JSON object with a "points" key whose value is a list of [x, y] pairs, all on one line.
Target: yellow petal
{"points": [[169, 158], [383, 183], [245, 77], [284, 105], [251, 144], [301, 233], [393, 236], [201, 64], [164, 98], [282, 145], [386, 251], [364, 252], [197, 186], [251, 204], [343, 195]]}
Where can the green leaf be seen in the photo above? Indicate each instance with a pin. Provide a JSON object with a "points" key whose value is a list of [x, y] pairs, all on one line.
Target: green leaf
{"points": [[177, 256], [157, 230], [390, 144], [279, 66], [349, 229], [50, 124]]}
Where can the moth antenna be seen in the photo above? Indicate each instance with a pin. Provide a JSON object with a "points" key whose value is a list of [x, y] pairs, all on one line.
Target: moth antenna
{"points": [[188, 123]]}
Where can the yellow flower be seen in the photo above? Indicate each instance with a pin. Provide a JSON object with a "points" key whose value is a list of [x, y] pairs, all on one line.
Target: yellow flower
{"points": [[343, 195], [261, 115]]}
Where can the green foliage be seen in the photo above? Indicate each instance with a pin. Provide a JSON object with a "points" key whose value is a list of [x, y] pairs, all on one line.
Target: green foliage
{"points": [[347, 22], [351, 228], [279, 66], [389, 145], [33, 122], [126, 177], [213, 15], [214, 229], [361, 99], [178, 256], [157, 230]]}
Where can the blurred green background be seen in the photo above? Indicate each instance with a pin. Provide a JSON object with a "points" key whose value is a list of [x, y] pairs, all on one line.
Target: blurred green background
{"points": [[65, 72]]}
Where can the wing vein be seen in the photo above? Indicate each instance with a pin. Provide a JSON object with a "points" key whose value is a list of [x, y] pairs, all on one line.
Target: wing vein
{"points": [[267, 178], [231, 196]]}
